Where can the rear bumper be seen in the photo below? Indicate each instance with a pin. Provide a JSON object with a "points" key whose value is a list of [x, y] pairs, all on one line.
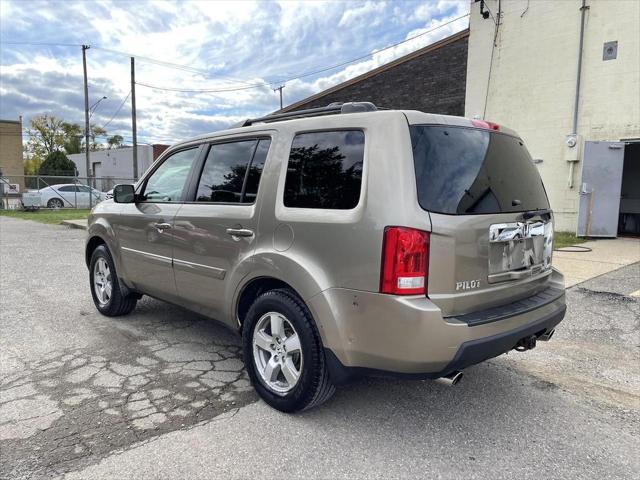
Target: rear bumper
{"points": [[369, 333]]}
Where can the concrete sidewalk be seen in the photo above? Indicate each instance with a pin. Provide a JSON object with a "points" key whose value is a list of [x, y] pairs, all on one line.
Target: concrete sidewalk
{"points": [[80, 224], [605, 256]]}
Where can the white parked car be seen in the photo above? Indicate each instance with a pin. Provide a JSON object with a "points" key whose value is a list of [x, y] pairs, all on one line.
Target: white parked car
{"points": [[70, 195]]}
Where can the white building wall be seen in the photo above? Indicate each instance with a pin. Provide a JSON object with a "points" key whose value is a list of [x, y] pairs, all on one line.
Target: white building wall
{"points": [[533, 81], [116, 164]]}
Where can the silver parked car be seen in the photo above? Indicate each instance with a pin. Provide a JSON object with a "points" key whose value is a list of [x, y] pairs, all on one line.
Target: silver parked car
{"points": [[340, 241]]}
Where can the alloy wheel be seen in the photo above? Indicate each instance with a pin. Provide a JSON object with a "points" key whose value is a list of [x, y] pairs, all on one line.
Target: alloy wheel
{"points": [[102, 282], [277, 352]]}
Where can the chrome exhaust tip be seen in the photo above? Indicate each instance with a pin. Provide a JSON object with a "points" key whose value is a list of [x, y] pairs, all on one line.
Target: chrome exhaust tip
{"points": [[546, 336], [451, 379]]}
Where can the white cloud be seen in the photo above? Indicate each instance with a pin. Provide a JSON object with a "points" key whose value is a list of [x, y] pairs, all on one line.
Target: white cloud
{"points": [[227, 43], [363, 13]]}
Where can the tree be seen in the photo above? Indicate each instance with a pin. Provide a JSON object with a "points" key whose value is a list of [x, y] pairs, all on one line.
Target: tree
{"points": [[32, 165], [72, 138], [115, 141], [46, 135], [96, 131], [57, 163]]}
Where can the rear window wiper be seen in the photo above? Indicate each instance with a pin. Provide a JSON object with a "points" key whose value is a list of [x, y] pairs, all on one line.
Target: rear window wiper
{"points": [[538, 211]]}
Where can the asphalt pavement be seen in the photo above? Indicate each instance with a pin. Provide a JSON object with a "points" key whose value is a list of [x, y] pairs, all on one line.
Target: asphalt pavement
{"points": [[162, 393]]}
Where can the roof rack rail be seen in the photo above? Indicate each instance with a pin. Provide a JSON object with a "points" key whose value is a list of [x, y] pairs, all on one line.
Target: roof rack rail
{"points": [[331, 109]]}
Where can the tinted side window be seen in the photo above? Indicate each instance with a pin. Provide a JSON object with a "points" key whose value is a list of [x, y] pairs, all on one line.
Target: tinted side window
{"points": [[68, 188], [232, 172], [255, 171], [325, 170], [167, 182]]}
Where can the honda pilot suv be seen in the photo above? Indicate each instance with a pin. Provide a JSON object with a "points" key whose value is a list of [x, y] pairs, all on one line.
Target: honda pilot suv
{"points": [[340, 241]]}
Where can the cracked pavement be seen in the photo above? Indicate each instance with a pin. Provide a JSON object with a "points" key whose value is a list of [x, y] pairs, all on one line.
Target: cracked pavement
{"points": [[162, 393], [66, 403]]}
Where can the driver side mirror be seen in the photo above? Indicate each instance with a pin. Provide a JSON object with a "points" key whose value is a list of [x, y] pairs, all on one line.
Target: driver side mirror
{"points": [[124, 193]]}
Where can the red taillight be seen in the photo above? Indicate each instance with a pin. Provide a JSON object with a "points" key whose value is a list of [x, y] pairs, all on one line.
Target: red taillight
{"points": [[485, 124], [405, 261]]}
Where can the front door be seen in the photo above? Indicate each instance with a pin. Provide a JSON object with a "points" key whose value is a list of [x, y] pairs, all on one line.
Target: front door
{"points": [[600, 189], [217, 230], [144, 229]]}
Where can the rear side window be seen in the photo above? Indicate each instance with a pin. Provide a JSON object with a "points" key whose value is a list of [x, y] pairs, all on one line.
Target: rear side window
{"points": [[467, 171], [232, 171], [325, 170]]}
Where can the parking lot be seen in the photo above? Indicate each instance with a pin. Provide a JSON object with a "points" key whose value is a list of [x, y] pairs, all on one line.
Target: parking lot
{"points": [[162, 393]]}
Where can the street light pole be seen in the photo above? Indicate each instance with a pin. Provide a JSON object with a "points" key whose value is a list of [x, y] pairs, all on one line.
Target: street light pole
{"points": [[86, 118], [94, 107]]}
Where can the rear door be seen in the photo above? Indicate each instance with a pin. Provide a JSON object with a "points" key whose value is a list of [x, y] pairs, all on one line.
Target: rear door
{"points": [[216, 229], [145, 229], [69, 195], [492, 229], [600, 189]]}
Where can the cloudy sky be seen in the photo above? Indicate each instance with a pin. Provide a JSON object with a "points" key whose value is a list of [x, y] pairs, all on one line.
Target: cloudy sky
{"points": [[230, 55]]}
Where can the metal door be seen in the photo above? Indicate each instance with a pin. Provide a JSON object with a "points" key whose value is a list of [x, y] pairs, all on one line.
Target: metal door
{"points": [[600, 188]]}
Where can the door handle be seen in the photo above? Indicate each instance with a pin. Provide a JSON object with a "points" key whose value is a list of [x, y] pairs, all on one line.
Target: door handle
{"points": [[162, 226], [240, 232]]}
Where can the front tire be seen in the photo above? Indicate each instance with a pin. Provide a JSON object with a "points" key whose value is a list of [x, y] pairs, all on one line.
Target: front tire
{"points": [[105, 285], [283, 353]]}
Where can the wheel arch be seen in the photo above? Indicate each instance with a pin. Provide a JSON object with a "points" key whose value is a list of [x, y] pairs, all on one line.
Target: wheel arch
{"points": [[252, 289], [271, 270], [99, 233], [93, 242]]}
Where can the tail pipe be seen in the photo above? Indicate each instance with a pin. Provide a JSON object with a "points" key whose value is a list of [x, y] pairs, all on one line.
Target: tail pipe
{"points": [[545, 337], [450, 379]]}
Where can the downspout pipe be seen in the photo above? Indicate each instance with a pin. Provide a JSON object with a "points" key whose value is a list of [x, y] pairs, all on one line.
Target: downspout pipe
{"points": [[574, 128]]}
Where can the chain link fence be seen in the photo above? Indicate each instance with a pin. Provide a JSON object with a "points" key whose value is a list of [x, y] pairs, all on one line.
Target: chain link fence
{"points": [[55, 191]]}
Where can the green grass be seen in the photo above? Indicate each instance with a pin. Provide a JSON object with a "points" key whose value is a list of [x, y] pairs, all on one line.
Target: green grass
{"points": [[45, 215], [566, 239]]}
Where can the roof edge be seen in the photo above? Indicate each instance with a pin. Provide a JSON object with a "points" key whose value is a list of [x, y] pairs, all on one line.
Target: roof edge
{"points": [[382, 68]]}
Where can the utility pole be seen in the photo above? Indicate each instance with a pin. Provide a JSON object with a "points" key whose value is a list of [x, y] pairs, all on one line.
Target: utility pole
{"points": [[280, 88], [86, 119], [134, 128]]}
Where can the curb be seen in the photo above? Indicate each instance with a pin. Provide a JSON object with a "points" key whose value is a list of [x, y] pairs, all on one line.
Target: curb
{"points": [[79, 224]]}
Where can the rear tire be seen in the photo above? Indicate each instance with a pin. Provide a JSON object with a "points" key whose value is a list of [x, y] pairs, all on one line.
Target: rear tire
{"points": [[55, 203], [105, 285], [311, 384]]}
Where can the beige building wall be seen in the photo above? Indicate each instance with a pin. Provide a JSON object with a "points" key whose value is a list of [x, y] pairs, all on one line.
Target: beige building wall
{"points": [[533, 81], [11, 162]]}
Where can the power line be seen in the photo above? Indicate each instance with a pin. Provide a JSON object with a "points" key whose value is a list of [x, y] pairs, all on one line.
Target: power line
{"points": [[307, 74], [118, 110], [45, 44], [248, 84], [304, 74], [164, 63], [202, 90]]}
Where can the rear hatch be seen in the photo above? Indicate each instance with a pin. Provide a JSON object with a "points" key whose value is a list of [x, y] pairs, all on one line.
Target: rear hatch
{"points": [[492, 230]]}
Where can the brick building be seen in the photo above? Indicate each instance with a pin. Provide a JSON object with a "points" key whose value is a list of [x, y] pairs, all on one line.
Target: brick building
{"points": [[11, 163], [431, 79]]}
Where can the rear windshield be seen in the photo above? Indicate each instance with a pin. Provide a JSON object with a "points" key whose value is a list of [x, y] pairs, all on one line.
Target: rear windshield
{"points": [[468, 171]]}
